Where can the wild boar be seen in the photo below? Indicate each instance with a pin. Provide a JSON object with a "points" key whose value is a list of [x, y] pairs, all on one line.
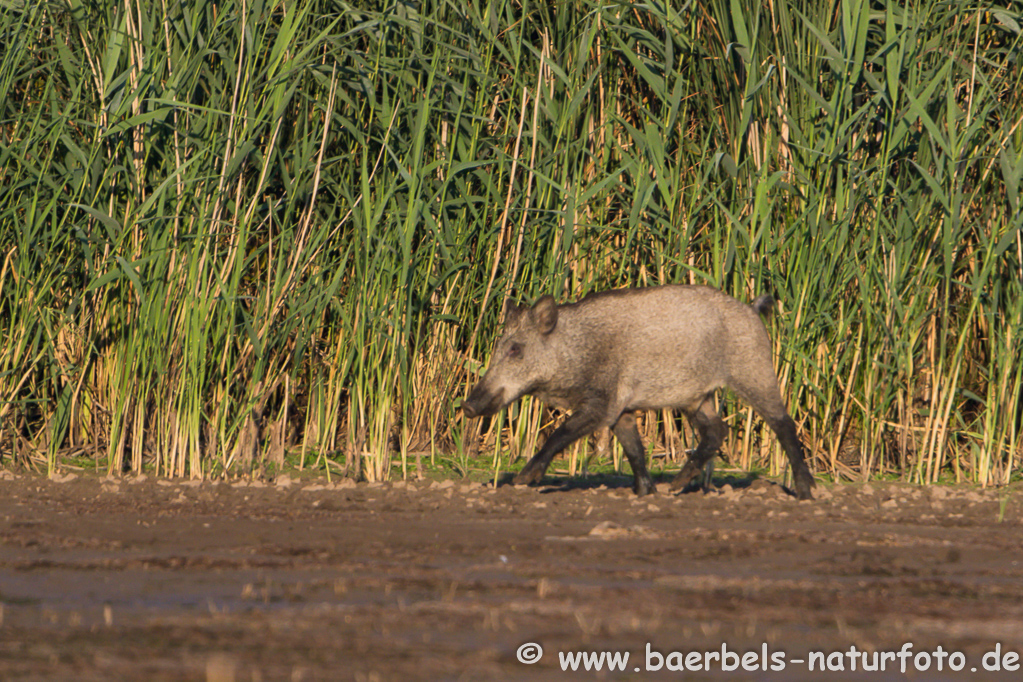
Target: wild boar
{"points": [[616, 352]]}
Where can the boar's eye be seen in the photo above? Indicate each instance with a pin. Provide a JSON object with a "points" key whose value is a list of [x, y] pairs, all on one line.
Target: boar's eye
{"points": [[515, 352]]}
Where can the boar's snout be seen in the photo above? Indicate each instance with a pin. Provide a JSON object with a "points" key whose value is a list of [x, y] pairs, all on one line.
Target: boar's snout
{"points": [[481, 402]]}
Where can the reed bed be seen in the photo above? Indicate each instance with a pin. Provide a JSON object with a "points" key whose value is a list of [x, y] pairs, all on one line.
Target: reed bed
{"points": [[236, 234]]}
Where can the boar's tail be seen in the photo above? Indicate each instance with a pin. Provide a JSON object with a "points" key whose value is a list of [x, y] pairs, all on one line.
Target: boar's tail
{"points": [[764, 305]]}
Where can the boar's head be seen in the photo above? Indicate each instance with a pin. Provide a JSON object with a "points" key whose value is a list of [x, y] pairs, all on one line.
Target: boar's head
{"points": [[521, 361]]}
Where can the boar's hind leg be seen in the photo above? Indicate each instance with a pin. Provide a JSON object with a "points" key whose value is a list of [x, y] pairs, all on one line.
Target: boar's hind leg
{"points": [[785, 429], [765, 398], [628, 435], [579, 424], [712, 433]]}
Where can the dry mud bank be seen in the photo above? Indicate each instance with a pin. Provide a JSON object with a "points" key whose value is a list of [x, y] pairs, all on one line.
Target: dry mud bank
{"points": [[104, 579]]}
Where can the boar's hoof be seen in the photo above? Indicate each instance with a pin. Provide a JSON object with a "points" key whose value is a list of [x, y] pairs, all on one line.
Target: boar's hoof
{"points": [[528, 476], [678, 483], [804, 485], [644, 487], [685, 477]]}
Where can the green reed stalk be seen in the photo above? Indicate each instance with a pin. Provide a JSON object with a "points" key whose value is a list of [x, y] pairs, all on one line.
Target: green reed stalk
{"points": [[234, 236]]}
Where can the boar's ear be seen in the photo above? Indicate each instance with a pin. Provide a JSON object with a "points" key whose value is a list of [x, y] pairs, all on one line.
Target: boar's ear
{"points": [[545, 314]]}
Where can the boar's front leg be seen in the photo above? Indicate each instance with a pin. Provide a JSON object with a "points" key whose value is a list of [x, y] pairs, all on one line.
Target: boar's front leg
{"points": [[581, 423], [628, 435]]}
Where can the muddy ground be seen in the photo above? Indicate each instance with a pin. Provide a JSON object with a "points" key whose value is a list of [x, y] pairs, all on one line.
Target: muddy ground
{"points": [[127, 579]]}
